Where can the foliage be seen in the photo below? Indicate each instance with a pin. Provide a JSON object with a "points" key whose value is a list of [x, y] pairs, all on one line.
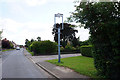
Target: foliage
{"points": [[44, 47], [69, 48], [32, 40], [7, 50], [86, 50], [21, 46], [61, 49], [77, 49], [11, 45], [75, 42], [86, 42], [32, 53], [103, 21], [67, 34], [6, 44], [26, 43], [39, 38], [80, 64]]}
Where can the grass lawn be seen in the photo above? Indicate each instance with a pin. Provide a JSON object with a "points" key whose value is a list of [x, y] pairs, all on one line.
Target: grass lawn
{"points": [[80, 64], [7, 50]]}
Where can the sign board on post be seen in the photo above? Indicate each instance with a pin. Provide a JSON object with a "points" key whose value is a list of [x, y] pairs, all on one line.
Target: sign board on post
{"points": [[58, 15]]}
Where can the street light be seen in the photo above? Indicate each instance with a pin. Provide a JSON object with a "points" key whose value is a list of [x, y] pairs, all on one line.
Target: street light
{"points": [[58, 15]]}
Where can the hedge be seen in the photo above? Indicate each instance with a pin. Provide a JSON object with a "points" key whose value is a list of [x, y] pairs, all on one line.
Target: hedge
{"points": [[44, 47], [86, 50]]}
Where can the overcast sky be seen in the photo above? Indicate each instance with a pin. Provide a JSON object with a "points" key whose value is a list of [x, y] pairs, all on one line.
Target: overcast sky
{"points": [[26, 19]]}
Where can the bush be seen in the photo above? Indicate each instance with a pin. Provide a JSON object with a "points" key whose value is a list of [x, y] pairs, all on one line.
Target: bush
{"points": [[77, 50], [66, 51], [11, 45], [32, 53], [86, 50], [62, 49], [69, 48], [31, 47], [44, 47]]}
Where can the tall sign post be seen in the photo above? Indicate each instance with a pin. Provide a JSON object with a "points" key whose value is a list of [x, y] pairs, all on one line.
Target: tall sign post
{"points": [[59, 28]]}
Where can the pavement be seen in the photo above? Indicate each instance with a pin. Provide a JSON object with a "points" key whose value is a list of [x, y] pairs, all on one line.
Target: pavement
{"points": [[56, 71]]}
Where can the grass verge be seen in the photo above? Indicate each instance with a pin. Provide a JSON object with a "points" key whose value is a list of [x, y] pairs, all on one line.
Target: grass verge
{"points": [[80, 64], [7, 50], [32, 53]]}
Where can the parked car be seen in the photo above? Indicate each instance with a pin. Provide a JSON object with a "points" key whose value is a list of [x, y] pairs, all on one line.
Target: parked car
{"points": [[17, 48]]}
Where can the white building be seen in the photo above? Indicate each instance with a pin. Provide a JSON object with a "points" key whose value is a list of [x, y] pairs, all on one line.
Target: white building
{"points": [[14, 44]]}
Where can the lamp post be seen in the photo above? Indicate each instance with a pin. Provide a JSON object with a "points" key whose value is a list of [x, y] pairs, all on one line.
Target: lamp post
{"points": [[58, 15]]}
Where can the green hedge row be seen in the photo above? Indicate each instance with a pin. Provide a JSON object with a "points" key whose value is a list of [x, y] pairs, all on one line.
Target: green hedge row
{"points": [[43, 47], [86, 50]]}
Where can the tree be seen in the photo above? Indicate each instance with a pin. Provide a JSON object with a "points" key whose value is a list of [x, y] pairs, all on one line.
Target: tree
{"points": [[86, 42], [67, 34], [75, 42], [26, 41], [103, 21], [6, 44], [39, 38], [32, 40]]}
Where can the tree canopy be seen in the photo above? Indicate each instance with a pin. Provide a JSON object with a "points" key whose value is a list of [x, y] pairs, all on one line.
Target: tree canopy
{"points": [[39, 38], [103, 21], [67, 34]]}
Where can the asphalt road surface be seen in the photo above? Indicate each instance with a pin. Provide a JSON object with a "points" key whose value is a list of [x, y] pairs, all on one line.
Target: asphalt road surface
{"points": [[16, 65]]}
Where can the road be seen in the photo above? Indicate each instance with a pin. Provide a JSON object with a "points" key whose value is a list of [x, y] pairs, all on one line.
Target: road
{"points": [[16, 65], [43, 58]]}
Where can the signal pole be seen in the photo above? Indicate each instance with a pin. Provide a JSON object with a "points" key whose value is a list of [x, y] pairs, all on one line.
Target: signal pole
{"points": [[58, 15]]}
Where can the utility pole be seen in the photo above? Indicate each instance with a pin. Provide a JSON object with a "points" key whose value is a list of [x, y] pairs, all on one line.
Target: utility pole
{"points": [[58, 15]]}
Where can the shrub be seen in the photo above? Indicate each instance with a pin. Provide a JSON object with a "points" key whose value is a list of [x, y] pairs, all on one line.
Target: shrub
{"points": [[69, 48], [62, 49], [77, 50], [44, 47], [31, 47], [32, 53], [11, 45], [86, 50]]}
